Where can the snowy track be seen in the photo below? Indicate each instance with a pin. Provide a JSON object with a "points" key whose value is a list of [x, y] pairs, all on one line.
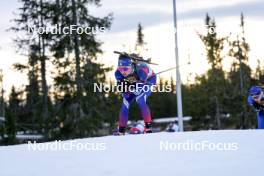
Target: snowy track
{"points": [[241, 154]]}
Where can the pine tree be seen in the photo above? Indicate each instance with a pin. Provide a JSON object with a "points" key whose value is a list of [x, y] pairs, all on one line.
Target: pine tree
{"points": [[259, 74], [32, 15], [75, 55], [2, 101], [240, 74], [2, 110], [140, 43], [213, 44], [32, 108], [12, 115], [215, 76]]}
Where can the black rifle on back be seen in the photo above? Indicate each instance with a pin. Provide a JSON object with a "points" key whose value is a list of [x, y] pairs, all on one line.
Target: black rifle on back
{"points": [[135, 58]]}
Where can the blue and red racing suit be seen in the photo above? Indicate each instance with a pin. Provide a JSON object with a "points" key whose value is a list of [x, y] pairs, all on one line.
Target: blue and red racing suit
{"points": [[143, 74]]}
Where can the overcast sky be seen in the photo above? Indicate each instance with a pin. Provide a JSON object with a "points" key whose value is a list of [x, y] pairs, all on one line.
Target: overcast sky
{"points": [[157, 20]]}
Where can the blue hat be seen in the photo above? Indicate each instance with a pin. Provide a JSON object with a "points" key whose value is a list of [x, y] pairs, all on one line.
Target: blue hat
{"points": [[255, 90], [124, 61]]}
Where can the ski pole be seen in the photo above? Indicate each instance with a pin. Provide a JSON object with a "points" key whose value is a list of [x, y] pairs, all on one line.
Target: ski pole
{"points": [[161, 72], [166, 70]]}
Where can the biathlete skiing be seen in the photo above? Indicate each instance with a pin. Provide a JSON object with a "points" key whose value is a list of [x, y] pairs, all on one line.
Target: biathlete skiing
{"points": [[137, 73], [256, 99]]}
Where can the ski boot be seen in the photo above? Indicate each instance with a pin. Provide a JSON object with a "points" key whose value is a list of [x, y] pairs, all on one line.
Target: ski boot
{"points": [[148, 127], [120, 131]]}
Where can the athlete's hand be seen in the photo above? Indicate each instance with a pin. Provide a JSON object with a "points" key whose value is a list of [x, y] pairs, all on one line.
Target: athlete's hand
{"points": [[259, 99], [131, 79]]}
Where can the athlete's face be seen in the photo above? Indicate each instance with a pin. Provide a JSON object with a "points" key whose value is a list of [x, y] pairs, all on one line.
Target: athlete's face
{"points": [[125, 70]]}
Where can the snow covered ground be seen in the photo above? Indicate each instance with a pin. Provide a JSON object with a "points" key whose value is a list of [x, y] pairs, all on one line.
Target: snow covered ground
{"points": [[204, 153]]}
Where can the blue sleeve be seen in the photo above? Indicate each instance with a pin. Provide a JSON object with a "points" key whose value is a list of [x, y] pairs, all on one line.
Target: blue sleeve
{"points": [[143, 74], [152, 80]]}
